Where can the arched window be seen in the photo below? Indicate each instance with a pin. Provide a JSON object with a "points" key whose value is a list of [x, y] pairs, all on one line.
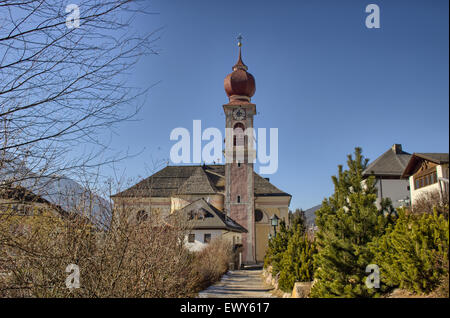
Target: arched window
{"points": [[238, 199], [141, 216], [239, 134]]}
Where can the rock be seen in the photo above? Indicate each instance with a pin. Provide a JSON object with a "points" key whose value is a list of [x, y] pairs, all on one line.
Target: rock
{"points": [[301, 289], [274, 282]]}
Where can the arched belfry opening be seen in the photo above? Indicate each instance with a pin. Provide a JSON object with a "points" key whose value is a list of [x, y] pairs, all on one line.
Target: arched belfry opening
{"points": [[239, 134]]}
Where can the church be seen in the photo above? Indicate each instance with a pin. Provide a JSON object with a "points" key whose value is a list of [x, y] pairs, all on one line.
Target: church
{"points": [[240, 200]]}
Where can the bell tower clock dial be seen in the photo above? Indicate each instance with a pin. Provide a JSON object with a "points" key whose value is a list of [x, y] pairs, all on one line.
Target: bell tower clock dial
{"points": [[239, 178], [239, 114]]}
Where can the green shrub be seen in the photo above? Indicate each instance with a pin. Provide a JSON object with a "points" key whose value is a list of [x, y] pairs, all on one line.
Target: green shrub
{"points": [[413, 254], [297, 261], [277, 246]]}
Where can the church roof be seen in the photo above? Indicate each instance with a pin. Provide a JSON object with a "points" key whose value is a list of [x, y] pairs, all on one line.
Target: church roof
{"points": [[202, 215], [391, 164], [179, 180], [197, 183]]}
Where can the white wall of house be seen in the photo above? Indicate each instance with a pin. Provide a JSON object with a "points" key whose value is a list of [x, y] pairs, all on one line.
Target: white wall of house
{"points": [[442, 172], [395, 189], [199, 244]]}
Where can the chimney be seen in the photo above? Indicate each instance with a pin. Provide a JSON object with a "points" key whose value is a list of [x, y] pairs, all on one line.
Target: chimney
{"points": [[397, 148]]}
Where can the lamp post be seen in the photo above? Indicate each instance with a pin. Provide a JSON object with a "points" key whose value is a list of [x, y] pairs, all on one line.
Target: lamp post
{"points": [[274, 221]]}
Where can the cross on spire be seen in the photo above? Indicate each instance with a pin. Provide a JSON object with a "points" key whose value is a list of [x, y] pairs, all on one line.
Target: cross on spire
{"points": [[240, 64]]}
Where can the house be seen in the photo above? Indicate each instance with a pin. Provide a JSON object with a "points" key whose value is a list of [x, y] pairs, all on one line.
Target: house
{"points": [[388, 172], [427, 172], [233, 189], [20, 201], [206, 223]]}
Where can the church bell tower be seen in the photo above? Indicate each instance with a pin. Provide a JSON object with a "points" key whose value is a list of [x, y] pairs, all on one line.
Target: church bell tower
{"points": [[240, 154]]}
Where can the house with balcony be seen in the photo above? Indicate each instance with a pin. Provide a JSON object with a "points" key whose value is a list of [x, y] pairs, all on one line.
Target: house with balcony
{"points": [[427, 172]]}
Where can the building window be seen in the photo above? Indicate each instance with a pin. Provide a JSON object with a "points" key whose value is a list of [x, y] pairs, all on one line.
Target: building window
{"points": [[238, 199], [207, 238], [258, 215], [426, 180], [191, 238], [141, 216], [239, 164], [239, 135]]}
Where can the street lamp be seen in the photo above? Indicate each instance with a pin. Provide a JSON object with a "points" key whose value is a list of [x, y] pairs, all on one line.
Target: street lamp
{"points": [[274, 221]]}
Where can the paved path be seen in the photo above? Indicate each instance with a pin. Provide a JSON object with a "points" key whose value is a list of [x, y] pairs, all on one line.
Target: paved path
{"points": [[239, 284]]}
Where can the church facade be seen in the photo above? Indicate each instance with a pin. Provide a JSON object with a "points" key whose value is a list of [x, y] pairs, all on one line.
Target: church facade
{"points": [[234, 189]]}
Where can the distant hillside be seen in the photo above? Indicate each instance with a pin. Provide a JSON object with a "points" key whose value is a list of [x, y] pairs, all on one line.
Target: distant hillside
{"points": [[63, 192], [310, 215]]}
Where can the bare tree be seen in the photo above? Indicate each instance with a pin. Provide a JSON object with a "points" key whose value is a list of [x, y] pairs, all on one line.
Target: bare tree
{"points": [[61, 83]]}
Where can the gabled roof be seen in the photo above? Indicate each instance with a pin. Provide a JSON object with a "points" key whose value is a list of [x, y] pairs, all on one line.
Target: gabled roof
{"points": [[390, 164], [202, 215], [179, 180], [197, 183], [438, 158]]}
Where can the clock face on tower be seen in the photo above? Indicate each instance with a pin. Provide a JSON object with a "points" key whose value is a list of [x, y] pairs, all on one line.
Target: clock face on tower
{"points": [[239, 114]]}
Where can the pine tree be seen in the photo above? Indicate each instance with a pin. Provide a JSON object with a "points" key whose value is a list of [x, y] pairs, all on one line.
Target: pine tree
{"points": [[412, 254], [347, 222], [297, 261], [297, 221], [277, 246]]}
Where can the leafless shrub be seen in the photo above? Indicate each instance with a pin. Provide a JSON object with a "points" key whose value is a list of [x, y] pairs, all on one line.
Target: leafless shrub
{"points": [[130, 260], [212, 262], [427, 201]]}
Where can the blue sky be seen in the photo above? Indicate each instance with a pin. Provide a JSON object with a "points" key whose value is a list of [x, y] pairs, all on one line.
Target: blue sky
{"points": [[322, 78]]}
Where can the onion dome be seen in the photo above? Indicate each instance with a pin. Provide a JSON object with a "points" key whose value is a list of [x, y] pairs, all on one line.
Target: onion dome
{"points": [[240, 85]]}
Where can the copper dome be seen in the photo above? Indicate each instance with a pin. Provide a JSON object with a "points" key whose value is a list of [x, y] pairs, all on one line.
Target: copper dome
{"points": [[240, 83]]}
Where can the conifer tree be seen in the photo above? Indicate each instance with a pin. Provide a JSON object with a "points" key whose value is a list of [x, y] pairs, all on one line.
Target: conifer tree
{"points": [[347, 222], [297, 221], [412, 254], [277, 246], [297, 261]]}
